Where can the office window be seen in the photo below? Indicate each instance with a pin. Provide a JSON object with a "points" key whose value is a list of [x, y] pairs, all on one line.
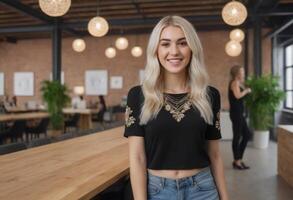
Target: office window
{"points": [[288, 78]]}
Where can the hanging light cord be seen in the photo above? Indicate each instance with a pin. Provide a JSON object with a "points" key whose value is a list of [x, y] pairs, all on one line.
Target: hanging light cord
{"points": [[98, 7]]}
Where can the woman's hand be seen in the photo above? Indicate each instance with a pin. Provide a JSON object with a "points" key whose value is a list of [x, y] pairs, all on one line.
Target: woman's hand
{"points": [[248, 90]]}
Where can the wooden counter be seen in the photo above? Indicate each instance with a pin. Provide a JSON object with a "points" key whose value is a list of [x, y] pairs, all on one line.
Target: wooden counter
{"points": [[78, 168], [285, 153]]}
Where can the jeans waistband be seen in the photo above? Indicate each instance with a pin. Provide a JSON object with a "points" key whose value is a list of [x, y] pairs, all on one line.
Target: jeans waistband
{"points": [[181, 182]]}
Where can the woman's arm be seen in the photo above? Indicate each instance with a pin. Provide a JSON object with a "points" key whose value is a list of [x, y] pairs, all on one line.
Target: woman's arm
{"points": [[217, 168], [235, 87], [138, 171]]}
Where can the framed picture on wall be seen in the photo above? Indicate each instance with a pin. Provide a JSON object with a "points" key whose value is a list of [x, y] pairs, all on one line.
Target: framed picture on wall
{"points": [[62, 77], [116, 82], [96, 82], [1, 83], [24, 83]]}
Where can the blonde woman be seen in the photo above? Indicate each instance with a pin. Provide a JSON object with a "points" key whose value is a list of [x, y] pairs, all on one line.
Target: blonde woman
{"points": [[172, 121], [241, 133]]}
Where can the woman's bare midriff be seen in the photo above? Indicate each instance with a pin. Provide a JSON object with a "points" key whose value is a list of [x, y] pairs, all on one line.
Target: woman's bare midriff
{"points": [[174, 174]]}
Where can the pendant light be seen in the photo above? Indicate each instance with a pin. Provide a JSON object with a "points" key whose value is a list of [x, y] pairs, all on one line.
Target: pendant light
{"points": [[98, 26], [233, 48], [237, 35], [136, 51], [78, 45], [55, 8], [121, 43], [110, 52], [234, 13]]}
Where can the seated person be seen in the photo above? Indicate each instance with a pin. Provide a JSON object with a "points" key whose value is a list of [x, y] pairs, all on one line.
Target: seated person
{"points": [[101, 105], [78, 102]]}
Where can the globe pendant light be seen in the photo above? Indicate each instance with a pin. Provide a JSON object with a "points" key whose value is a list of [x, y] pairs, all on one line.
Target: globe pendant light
{"points": [[234, 13], [136, 51], [121, 43], [233, 48], [110, 52], [98, 26], [55, 8], [78, 45], [237, 35]]}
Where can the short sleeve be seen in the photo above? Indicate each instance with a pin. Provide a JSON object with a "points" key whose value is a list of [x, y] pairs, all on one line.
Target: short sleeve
{"points": [[213, 131], [132, 113]]}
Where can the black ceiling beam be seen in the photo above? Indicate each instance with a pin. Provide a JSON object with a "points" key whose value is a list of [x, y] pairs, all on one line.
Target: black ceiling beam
{"points": [[27, 10], [136, 21], [15, 4], [136, 5], [274, 14], [119, 23], [145, 30], [257, 5], [27, 29], [279, 29]]}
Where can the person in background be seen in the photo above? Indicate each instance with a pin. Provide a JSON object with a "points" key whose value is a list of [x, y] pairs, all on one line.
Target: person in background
{"points": [[241, 133], [78, 102], [101, 105], [82, 103], [172, 121], [14, 101]]}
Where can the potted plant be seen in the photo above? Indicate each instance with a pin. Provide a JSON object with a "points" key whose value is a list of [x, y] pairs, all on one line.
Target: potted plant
{"points": [[56, 97], [261, 103]]}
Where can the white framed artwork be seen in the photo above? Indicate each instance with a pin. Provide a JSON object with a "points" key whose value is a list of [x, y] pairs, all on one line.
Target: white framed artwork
{"points": [[1, 83], [96, 82], [116, 82], [62, 77], [24, 83], [141, 75]]}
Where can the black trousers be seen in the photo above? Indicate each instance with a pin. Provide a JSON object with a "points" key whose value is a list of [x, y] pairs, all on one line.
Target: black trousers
{"points": [[241, 135]]}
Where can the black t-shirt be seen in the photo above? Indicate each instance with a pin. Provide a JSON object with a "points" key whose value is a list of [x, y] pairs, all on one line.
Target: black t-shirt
{"points": [[170, 144]]}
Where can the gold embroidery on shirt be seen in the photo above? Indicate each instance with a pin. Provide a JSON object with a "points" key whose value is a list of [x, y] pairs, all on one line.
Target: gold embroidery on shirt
{"points": [[217, 124], [129, 119], [177, 107]]}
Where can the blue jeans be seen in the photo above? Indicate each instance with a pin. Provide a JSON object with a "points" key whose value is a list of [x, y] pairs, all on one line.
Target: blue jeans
{"points": [[200, 186]]}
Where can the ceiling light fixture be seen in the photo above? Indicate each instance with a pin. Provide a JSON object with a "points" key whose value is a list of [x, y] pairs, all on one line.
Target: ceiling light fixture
{"points": [[233, 48], [55, 8], [98, 26], [234, 13], [78, 45], [110, 52], [237, 35]]}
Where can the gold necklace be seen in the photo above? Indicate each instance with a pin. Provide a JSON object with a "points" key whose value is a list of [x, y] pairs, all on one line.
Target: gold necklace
{"points": [[177, 106]]}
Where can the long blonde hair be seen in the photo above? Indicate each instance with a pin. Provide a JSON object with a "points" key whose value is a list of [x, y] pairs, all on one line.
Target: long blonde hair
{"points": [[197, 78]]}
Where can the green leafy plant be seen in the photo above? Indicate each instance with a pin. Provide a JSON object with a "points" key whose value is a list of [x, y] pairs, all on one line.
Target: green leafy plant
{"points": [[56, 96], [263, 100]]}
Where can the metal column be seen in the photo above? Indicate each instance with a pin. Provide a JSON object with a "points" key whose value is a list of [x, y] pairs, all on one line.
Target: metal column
{"points": [[56, 50]]}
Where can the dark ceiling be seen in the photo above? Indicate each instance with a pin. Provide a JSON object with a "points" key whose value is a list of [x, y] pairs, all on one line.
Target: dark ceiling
{"points": [[21, 19]]}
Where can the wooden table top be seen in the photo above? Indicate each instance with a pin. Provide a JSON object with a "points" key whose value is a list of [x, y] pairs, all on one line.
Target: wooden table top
{"points": [[80, 111], [74, 169], [23, 116], [21, 110]]}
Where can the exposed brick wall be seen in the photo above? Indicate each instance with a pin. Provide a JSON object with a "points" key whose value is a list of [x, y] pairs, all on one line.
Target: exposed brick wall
{"points": [[35, 56]]}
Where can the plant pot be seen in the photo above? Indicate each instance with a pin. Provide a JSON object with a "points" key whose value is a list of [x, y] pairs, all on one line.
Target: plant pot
{"points": [[261, 139], [54, 133]]}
